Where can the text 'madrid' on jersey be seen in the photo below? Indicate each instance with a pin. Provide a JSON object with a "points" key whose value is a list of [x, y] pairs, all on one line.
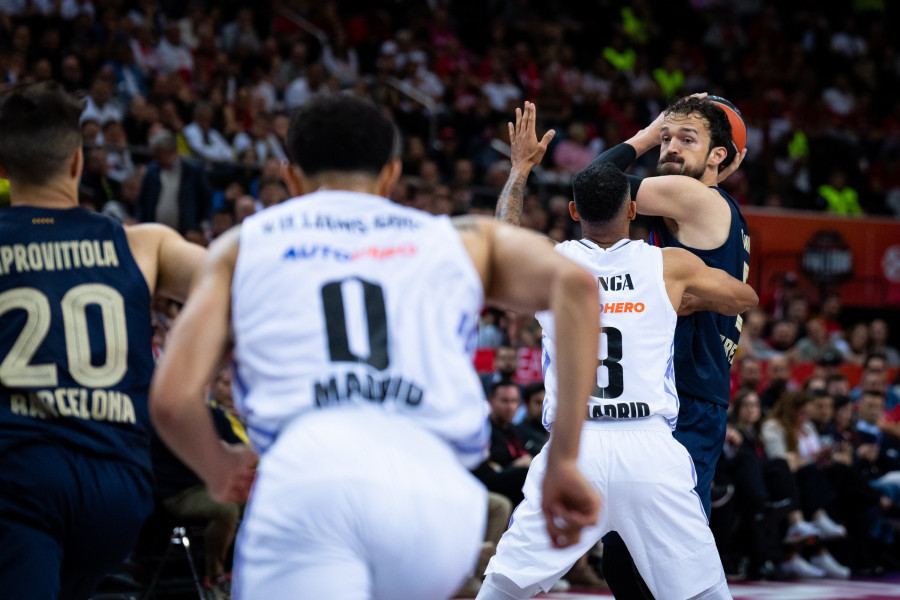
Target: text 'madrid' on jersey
{"points": [[345, 299], [75, 335], [706, 342], [635, 377]]}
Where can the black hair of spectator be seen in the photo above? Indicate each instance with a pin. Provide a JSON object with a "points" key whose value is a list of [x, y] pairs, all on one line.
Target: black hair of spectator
{"points": [[600, 191], [716, 119], [840, 401], [39, 131], [504, 383], [340, 133], [531, 389], [876, 356], [873, 392]]}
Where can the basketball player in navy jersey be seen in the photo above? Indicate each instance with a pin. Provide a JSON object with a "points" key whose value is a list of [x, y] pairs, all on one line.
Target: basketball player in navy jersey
{"points": [[75, 358], [697, 151]]}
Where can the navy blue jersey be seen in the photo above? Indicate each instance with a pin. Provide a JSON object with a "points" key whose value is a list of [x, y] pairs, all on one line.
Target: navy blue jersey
{"points": [[705, 342], [75, 335]]}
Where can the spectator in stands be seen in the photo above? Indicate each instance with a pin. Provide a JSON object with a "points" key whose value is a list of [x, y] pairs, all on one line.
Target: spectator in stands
{"points": [[874, 379], [172, 55], [119, 163], [749, 374], [531, 430], [184, 495], [174, 192], [96, 179], [854, 347], [778, 373], [838, 197], [262, 139], [99, 104], [123, 209], [507, 464], [751, 342], [816, 343], [878, 338], [204, 141], [506, 363], [781, 340]]}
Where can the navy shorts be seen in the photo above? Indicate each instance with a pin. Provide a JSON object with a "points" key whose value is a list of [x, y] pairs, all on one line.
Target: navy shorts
{"points": [[66, 520], [701, 429]]}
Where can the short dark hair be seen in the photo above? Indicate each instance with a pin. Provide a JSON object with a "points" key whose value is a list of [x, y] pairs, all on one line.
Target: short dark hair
{"points": [[39, 131], [600, 191], [340, 132], [716, 120], [504, 383]]}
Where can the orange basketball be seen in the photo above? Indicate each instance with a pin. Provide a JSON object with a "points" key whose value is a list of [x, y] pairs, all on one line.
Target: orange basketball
{"points": [[738, 128]]}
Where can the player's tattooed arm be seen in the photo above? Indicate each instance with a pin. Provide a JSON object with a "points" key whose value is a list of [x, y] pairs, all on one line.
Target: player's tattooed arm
{"points": [[526, 153]]}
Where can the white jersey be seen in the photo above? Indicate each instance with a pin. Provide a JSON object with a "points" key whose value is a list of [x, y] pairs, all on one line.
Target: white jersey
{"points": [[635, 375], [347, 299]]}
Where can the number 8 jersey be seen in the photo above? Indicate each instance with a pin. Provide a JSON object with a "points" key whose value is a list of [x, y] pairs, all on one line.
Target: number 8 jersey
{"points": [[344, 299], [635, 374]]}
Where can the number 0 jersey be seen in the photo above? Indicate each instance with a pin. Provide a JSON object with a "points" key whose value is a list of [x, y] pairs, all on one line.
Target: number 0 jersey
{"points": [[635, 376], [75, 335], [347, 299]]}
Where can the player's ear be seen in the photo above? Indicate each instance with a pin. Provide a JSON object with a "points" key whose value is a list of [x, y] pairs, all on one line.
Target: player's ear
{"points": [[716, 156], [293, 178], [573, 212], [76, 163], [388, 177], [632, 210]]}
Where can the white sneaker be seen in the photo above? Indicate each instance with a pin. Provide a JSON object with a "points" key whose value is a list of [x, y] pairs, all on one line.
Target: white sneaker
{"points": [[798, 567], [832, 568], [828, 529], [800, 532], [561, 585]]}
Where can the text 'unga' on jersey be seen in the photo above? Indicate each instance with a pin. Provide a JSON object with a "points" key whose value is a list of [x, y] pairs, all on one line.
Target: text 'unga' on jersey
{"points": [[705, 342], [75, 335], [346, 299], [635, 376]]}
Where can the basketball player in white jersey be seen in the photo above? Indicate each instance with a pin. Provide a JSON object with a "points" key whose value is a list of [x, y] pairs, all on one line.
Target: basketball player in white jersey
{"points": [[628, 453], [354, 320]]}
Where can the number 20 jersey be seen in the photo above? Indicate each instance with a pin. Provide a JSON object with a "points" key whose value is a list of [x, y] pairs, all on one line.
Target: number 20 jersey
{"points": [[635, 374], [344, 299]]}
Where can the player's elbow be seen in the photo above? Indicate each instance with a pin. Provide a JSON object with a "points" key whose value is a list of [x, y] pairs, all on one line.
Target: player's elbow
{"points": [[742, 300], [162, 402], [574, 284]]}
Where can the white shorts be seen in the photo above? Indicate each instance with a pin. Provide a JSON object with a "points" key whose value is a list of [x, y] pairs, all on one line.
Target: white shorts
{"points": [[359, 505], [646, 480]]}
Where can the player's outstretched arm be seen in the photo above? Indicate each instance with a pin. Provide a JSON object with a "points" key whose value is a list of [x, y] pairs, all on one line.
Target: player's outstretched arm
{"points": [[526, 153], [194, 349], [690, 281], [168, 261], [520, 270]]}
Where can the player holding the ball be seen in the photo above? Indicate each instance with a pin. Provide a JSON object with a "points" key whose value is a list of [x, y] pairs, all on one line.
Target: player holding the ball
{"points": [[701, 142]]}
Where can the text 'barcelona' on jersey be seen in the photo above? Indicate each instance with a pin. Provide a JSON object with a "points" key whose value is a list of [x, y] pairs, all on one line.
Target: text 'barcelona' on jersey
{"points": [[635, 376], [347, 299], [706, 342], [75, 335]]}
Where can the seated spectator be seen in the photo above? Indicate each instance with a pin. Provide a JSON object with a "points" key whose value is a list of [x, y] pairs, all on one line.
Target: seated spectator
{"points": [[531, 430], [815, 344], [788, 434], [204, 141], [99, 105], [262, 139], [778, 374], [96, 179], [751, 342], [123, 210], [749, 374], [507, 464], [174, 192], [780, 341], [855, 344], [878, 337], [874, 379], [119, 163], [184, 495], [506, 363], [172, 55]]}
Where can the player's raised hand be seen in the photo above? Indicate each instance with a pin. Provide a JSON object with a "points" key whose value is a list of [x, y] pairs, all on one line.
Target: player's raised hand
{"points": [[569, 503], [232, 480], [527, 150], [734, 166]]}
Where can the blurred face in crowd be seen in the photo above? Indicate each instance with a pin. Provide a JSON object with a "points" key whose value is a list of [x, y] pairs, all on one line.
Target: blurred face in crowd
{"points": [[534, 406], [815, 331], [779, 370], [750, 373], [871, 408], [873, 381], [684, 146], [243, 208], [858, 338], [504, 404], [878, 332], [838, 387], [221, 389], [784, 334], [750, 411], [816, 384], [821, 409], [843, 416], [506, 361]]}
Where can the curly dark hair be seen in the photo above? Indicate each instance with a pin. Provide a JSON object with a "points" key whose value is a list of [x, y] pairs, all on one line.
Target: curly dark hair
{"points": [[340, 132], [716, 121], [600, 190]]}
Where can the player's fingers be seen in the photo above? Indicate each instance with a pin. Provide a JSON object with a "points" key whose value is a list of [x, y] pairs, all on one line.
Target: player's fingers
{"points": [[548, 137], [512, 132], [518, 119], [529, 116]]}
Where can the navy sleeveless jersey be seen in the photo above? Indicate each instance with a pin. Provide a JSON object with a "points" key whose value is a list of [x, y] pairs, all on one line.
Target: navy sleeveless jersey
{"points": [[75, 335], [705, 342]]}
